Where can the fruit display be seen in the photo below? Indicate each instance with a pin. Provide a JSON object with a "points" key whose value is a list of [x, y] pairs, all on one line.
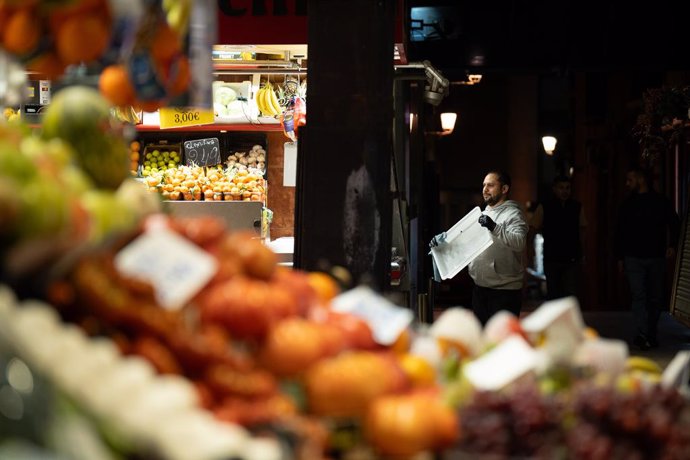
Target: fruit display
{"points": [[139, 52], [160, 158], [253, 159], [231, 101], [548, 387], [134, 157], [10, 114], [267, 101], [241, 179], [49, 36], [81, 116]]}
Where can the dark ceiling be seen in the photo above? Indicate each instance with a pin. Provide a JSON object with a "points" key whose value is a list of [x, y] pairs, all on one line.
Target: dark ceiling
{"points": [[550, 36]]}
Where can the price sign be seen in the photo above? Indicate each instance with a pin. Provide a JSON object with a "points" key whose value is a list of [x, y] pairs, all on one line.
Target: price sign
{"points": [[386, 320], [176, 117], [176, 268], [202, 152]]}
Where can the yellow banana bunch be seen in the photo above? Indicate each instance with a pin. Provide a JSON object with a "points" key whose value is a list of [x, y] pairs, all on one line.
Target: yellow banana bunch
{"points": [[273, 100], [126, 114], [259, 98], [267, 101], [639, 363], [177, 14]]}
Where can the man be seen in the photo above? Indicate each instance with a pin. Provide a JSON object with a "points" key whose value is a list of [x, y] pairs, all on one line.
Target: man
{"points": [[498, 271], [646, 235], [561, 221]]}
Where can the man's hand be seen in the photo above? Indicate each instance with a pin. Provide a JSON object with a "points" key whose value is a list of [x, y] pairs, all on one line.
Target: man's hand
{"points": [[438, 239], [487, 222]]}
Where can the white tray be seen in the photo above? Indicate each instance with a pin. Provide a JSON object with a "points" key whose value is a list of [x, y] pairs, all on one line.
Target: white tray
{"points": [[464, 242]]}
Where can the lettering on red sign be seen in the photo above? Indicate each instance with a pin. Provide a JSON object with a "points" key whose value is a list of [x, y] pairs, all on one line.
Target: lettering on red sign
{"points": [[260, 8]]}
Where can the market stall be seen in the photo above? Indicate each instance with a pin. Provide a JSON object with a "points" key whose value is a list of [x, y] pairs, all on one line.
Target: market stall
{"points": [[135, 324]]}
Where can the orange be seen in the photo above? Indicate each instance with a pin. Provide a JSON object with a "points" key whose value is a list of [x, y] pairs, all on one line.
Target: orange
{"points": [[115, 85], [21, 32], [148, 106], [82, 38], [418, 370], [135, 146], [60, 14], [402, 343], [47, 65], [447, 346], [325, 286], [165, 44]]}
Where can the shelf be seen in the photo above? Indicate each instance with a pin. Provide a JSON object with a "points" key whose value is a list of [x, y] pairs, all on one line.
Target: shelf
{"points": [[273, 127]]}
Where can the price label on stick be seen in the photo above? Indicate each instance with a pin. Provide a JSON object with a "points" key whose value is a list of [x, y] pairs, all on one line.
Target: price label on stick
{"points": [[202, 152]]}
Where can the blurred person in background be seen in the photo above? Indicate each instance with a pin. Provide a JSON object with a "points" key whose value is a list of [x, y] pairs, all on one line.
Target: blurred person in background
{"points": [[646, 236], [498, 272], [561, 221]]}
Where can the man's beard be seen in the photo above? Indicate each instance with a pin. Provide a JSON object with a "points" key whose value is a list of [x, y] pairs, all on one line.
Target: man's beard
{"points": [[492, 200]]}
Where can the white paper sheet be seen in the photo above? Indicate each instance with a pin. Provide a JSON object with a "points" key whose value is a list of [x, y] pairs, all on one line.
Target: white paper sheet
{"points": [[464, 242]]}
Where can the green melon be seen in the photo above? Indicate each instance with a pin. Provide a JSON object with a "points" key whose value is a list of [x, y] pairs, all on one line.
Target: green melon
{"points": [[81, 116]]}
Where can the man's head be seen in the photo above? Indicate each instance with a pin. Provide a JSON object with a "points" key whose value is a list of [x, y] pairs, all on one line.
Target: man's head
{"points": [[636, 180], [562, 187], [496, 187]]}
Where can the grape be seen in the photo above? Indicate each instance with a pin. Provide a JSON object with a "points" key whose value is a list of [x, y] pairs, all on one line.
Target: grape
{"points": [[586, 422]]}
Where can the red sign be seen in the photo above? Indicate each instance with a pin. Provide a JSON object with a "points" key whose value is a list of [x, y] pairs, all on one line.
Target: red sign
{"points": [[262, 22], [266, 22]]}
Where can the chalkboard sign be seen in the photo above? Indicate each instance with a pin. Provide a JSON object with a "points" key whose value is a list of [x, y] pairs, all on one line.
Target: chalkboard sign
{"points": [[202, 152]]}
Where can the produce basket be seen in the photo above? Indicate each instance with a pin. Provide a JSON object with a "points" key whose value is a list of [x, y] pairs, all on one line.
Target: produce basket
{"points": [[160, 155]]}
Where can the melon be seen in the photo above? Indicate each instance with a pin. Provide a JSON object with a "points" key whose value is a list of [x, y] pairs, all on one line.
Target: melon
{"points": [[81, 116]]}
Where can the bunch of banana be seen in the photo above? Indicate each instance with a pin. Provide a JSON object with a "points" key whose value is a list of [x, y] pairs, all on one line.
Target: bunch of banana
{"points": [[267, 101], [126, 114]]}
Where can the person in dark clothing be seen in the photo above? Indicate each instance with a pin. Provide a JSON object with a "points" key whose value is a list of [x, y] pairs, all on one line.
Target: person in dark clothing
{"points": [[561, 221], [646, 235]]}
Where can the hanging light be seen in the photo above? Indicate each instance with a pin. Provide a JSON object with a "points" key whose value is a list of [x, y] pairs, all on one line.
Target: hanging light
{"points": [[448, 121], [447, 124], [549, 143]]}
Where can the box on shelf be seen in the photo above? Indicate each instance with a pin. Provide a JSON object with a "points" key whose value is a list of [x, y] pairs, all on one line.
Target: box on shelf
{"points": [[154, 156]]}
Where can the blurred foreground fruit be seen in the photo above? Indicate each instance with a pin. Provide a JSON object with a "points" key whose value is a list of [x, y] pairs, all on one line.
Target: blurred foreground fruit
{"points": [[81, 116], [407, 424]]}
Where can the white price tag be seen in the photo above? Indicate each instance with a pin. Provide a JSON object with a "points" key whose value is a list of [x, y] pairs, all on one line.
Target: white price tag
{"points": [[176, 268], [386, 320]]}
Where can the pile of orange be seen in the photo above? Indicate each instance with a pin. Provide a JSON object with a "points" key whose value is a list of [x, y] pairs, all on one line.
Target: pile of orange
{"points": [[134, 151], [49, 36], [74, 32], [171, 66]]}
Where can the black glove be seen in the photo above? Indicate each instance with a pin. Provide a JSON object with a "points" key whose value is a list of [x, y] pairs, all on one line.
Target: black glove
{"points": [[438, 239], [487, 222]]}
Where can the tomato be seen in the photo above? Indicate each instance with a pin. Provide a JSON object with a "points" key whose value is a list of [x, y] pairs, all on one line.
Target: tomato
{"points": [[258, 261], [157, 354], [297, 283], [357, 332], [407, 424], [246, 307], [293, 345], [344, 386]]}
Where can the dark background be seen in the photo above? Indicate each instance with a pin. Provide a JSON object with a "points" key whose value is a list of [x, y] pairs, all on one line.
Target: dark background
{"points": [[577, 70]]}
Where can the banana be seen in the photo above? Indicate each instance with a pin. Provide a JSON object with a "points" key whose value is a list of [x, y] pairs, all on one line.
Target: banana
{"points": [[257, 99], [261, 101], [273, 100], [266, 101], [177, 14], [640, 363]]}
